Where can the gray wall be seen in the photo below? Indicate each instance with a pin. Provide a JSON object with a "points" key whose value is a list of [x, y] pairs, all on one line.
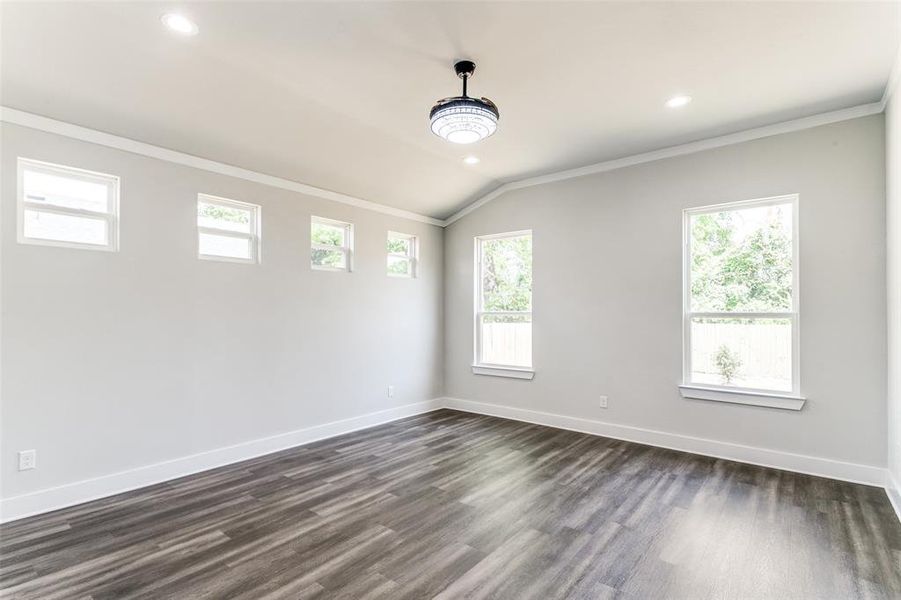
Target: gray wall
{"points": [[608, 292], [113, 361], [893, 222]]}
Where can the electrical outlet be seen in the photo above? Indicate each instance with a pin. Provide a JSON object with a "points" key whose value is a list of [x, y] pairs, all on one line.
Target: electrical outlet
{"points": [[603, 402], [28, 459], [391, 391]]}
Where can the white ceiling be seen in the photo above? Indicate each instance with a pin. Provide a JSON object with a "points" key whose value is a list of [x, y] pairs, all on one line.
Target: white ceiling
{"points": [[336, 94]]}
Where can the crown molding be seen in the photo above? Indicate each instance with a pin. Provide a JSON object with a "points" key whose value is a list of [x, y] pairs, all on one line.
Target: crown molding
{"points": [[690, 148], [33, 121], [893, 77]]}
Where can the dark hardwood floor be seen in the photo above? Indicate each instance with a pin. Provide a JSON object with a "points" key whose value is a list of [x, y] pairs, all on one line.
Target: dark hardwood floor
{"points": [[453, 505]]}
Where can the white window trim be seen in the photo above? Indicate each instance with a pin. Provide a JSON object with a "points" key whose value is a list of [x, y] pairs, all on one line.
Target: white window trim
{"points": [[510, 372], [792, 400], [412, 255], [732, 396], [347, 248], [112, 182], [253, 237], [478, 367]]}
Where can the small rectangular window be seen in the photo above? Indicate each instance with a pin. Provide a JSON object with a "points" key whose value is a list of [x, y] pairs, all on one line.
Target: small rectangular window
{"points": [[741, 300], [331, 244], [66, 206], [504, 300], [227, 230], [402, 255]]}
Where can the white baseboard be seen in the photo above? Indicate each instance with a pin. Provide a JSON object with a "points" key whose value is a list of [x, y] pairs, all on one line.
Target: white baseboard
{"points": [[799, 463], [42, 501], [893, 490], [25, 505]]}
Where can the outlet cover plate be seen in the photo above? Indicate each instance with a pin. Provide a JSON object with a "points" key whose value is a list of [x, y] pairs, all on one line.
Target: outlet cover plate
{"points": [[27, 460]]}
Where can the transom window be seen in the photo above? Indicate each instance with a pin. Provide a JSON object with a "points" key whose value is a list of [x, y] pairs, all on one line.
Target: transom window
{"points": [[741, 300], [227, 230], [402, 255], [331, 244], [66, 206], [504, 300]]}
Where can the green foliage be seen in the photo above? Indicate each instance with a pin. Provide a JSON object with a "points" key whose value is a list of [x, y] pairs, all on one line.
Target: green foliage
{"points": [[327, 234], [728, 363], [398, 246], [507, 274], [222, 213], [328, 258], [753, 274], [398, 266]]}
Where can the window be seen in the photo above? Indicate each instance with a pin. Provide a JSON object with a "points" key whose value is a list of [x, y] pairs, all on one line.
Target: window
{"points": [[332, 244], [741, 301], [65, 206], [402, 252], [227, 230], [503, 304]]}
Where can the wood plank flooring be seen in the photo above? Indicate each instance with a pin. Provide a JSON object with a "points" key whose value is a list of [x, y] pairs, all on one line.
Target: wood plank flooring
{"points": [[454, 505]]}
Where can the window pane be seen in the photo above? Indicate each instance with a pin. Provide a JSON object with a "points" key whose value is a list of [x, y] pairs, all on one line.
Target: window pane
{"points": [[329, 258], [748, 353], [507, 274], [225, 246], [741, 260], [399, 266], [65, 191], [330, 235], [223, 217], [65, 228], [506, 340], [399, 246]]}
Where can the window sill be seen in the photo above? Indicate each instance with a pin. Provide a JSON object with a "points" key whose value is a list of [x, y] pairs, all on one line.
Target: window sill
{"points": [[512, 372], [332, 269], [60, 244], [765, 399], [228, 259]]}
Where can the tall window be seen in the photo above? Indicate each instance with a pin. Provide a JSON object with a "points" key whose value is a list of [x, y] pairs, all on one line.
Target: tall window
{"points": [[402, 255], [331, 244], [741, 301], [65, 206], [504, 300], [227, 230]]}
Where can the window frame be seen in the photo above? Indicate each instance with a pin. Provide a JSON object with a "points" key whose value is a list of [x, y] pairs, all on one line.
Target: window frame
{"points": [[483, 368], [347, 248], [412, 255], [737, 394], [111, 217], [254, 237]]}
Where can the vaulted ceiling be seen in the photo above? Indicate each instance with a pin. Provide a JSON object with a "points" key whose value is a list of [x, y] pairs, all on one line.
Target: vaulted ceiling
{"points": [[336, 94]]}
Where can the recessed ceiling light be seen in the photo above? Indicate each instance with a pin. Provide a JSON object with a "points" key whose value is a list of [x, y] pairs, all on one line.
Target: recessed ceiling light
{"points": [[179, 23], [471, 160], [677, 101]]}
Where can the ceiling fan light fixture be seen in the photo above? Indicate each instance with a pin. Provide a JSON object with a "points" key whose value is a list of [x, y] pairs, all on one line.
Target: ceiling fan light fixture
{"points": [[462, 119]]}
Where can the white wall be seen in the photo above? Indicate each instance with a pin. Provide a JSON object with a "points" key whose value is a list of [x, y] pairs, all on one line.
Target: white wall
{"points": [[608, 292], [113, 361], [893, 224]]}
